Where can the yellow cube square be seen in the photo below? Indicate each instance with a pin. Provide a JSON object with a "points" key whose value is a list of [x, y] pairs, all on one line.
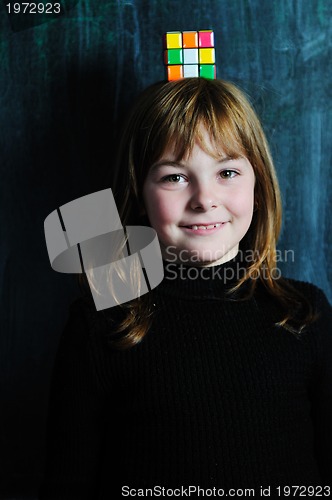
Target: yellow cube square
{"points": [[173, 40], [206, 56]]}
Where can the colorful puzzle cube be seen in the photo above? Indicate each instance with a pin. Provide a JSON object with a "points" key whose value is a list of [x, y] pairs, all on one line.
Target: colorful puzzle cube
{"points": [[189, 54]]}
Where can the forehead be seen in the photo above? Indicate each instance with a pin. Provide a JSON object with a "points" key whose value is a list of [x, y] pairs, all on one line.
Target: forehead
{"points": [[214, 144]]}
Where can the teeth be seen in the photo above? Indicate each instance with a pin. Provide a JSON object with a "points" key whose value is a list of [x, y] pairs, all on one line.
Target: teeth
{"points": [[211, 226]]}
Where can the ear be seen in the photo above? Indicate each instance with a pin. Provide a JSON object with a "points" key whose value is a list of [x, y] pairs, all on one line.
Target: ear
{"points": [[142, 216], [142, 210], [143, 220]]}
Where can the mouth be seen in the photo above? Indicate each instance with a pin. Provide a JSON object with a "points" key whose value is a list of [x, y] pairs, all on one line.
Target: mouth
{"points": [[203, 229], [213, 225]]}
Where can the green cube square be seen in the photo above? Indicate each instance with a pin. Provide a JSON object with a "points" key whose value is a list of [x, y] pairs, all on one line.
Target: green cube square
{"points": [[207, 71], [174, 56]]}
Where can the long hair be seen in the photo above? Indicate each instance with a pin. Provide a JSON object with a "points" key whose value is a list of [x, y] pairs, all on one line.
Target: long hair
{"points": [[171, 114]]}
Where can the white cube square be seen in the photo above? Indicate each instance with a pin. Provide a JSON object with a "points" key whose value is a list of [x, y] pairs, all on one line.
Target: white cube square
{"points": [[190, 70], [190, 56]]}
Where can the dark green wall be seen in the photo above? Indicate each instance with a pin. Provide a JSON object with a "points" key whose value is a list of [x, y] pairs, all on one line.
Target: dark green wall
{"points": [[65, 84]]}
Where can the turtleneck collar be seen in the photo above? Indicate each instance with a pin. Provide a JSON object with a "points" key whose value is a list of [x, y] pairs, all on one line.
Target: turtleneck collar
{"points": [[192, 282]]}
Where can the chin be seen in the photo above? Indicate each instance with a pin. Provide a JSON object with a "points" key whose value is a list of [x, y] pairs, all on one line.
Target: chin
{"points": [[196, 258]]}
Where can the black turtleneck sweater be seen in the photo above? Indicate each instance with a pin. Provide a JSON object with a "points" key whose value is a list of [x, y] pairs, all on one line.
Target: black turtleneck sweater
{"points": [[215, 396]]}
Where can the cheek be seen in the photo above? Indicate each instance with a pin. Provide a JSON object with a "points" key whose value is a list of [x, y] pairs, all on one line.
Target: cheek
{"points": [[246, 197], [243, 200], [161, 209]]}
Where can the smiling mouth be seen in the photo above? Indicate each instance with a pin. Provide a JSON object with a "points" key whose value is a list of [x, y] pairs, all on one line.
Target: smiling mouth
{"points": [[195, 227]]}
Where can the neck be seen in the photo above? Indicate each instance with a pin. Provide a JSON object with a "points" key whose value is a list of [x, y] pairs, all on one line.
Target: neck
{"points": [[201, 282], [228, 256]]}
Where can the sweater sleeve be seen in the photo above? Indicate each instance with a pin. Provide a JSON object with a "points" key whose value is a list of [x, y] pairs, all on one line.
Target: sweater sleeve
{"points": [[322, 389], [75, 416]]}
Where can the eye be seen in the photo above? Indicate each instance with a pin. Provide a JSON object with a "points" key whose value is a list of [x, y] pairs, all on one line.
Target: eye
{"points": [[228, 174], [172, 178]]}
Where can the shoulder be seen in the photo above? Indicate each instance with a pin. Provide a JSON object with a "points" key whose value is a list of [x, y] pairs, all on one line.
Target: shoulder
{"points": [[311, 292], [321, 327], [84, 315], [83, 309]]}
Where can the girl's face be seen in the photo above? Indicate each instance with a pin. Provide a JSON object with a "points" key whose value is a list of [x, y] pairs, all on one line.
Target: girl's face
{"points": [[200, 207]]}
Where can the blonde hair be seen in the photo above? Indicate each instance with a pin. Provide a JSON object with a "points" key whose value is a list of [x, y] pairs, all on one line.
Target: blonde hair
{"points": [[171, 114]]}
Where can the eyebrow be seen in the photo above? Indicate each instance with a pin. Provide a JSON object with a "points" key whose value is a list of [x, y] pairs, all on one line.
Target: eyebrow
{"points": [[175, 164]]}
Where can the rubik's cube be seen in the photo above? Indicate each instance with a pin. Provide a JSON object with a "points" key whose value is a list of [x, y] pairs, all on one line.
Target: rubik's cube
{"points": [[189, 54]]}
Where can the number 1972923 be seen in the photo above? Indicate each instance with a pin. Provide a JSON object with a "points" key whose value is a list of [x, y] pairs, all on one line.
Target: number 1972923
{"points": [[33, 8]]}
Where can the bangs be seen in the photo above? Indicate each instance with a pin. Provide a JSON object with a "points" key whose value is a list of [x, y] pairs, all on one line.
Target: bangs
{"points": [[197, 110]]}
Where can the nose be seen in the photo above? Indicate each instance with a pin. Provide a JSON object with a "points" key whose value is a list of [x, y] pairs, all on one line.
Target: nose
{"points": [[203, 198]]}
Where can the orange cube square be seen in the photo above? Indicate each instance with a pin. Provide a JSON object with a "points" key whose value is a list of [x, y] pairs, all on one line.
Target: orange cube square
{"points": [[174, 72], [190, 39]]}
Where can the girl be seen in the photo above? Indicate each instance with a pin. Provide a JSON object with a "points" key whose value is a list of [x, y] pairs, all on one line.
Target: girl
{"points": [[221, 377]]}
